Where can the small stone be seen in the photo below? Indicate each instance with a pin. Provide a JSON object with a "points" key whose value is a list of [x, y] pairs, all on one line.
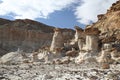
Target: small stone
{"points": [[2, 77], [105, 66], [48, 76], [93, 78], [112, 76]]}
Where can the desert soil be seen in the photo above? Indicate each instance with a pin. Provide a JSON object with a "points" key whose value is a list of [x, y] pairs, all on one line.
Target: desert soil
{"points": [[41, 71]]}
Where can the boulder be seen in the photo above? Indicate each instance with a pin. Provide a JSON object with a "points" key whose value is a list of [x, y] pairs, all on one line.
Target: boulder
{"points": [[105, 57], [12, 57], [105, 65], [86, 57], [72, 53]]}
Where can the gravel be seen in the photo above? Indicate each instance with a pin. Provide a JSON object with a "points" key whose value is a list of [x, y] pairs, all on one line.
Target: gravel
{"points": [[40, 71]]}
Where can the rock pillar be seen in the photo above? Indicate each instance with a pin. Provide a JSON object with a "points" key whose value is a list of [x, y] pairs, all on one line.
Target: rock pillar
{"points": [[57, 41], [92, 39]]}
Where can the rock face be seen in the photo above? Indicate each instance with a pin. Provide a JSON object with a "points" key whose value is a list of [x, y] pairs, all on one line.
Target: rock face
{"points": [[102, 37], [110, 20], [4, 21], [109, 23], [25, 34]]}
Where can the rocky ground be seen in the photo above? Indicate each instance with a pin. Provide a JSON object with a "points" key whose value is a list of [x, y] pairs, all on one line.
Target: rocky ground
{"points": [[41, 71]]}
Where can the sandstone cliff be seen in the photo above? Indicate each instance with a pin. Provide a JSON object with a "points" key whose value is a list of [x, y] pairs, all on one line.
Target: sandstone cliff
{"points": [[110, 20], [108, 41], [4, 21], [109, 24], [25, 34]]}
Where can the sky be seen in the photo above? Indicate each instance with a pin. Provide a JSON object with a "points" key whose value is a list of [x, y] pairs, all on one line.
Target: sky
{"points": [[58, 13]]}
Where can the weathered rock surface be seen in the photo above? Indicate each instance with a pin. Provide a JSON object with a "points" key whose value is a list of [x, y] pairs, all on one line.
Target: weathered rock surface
{"points": [[12, 57], [92, 39], [110, 20], [58, 40], [25, 34], [79, 33], [109, 23], [4, 21]]}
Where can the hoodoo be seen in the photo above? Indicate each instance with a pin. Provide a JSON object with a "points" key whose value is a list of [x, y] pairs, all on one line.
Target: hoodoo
{"points": [[79, 33], [92, 38], [57, 41]]}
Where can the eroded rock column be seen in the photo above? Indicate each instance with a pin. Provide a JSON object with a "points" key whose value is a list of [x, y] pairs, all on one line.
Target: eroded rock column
{"points": [[79, 33], [92, 39], [57, 41], [79, 37]]}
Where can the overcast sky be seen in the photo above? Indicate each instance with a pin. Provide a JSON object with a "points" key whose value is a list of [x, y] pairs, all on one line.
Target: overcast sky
{"points": [[59, 13]]}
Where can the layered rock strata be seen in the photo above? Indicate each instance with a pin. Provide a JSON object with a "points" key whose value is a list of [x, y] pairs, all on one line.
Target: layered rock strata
{"points": [[28, 35]]}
